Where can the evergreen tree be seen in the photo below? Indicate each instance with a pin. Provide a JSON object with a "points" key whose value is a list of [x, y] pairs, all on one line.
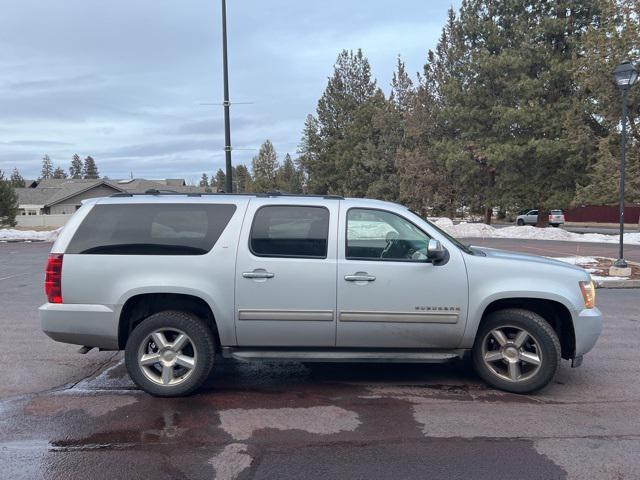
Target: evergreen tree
{"points": [[265, 167], [59, 173], [47, 168], [366, 154], [507, 124], [89, 168], [350, 86], [219, 181], [615, 38], [16, 179], [289, 177], [204, 180], [242, 178], [603, 182], [308, 153], [75, 169], [402, 91], [8, 203]]}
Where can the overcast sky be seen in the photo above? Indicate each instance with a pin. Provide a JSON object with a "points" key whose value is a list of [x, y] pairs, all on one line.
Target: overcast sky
{"points": [[123, 80]]}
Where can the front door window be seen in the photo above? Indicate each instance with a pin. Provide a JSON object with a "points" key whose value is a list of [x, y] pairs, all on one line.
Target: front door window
{"points": [[384, 236]]}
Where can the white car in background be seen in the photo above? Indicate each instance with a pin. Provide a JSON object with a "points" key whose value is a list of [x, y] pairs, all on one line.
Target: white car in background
{"points": [[556, 218]]}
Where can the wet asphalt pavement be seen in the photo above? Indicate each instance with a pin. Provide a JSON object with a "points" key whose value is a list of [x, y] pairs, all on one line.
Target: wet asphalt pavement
{"points": [[64, 415]]}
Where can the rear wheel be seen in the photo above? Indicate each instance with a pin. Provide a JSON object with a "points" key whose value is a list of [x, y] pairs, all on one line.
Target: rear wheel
{"points": [[516, 350], [170, 354]]}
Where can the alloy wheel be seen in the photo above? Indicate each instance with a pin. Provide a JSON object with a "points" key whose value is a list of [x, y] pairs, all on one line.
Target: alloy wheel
{"points": [[511, 353], [167, 357]]}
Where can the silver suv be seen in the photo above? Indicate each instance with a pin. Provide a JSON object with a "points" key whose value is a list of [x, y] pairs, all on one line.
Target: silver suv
{"points": [[175, 279]]}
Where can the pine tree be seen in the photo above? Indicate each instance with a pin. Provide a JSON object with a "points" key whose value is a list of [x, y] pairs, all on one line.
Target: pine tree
{"points": [[47, 168], [402, 91], [366, 154], [59, 173], [16, 179], [204, 180], [615, 38], [8, 203], [219, 181], [75, 169], [309, 151], [289, 177], [603, 182], [242, 178], [498, 120], [264, 168], [89, 168], [350, 86]]}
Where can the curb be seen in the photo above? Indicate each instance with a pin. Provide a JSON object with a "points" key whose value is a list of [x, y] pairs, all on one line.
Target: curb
{"points": [[618, 284]]}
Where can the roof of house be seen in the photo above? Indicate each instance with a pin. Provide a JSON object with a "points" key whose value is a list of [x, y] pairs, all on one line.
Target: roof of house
{"points": [[34, 196], [72, 188], [55, 190]]}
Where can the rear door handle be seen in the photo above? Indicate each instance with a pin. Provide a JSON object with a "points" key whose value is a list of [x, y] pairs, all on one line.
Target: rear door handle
{"points": [[258, 275], [359, 277]]}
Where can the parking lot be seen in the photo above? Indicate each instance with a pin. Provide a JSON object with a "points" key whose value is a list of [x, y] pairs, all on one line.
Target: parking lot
{"points": [[65, 415]]}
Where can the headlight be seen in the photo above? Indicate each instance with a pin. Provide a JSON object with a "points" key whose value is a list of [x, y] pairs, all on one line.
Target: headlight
{"points": [[588, 290]]}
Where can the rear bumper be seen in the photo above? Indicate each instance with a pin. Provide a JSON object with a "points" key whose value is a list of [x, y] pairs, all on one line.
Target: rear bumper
{"points": [[90, 325], [587, 326]]}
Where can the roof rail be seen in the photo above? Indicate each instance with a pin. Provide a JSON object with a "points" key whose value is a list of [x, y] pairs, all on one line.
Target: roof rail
{"points": [[155, 192]]}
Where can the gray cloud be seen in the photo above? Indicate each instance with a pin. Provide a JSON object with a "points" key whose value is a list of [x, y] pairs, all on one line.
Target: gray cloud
{"points": [[124, 81]]}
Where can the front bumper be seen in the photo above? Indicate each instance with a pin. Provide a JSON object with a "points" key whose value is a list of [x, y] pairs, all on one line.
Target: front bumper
{"points": [[90, 325], [587, 326]]}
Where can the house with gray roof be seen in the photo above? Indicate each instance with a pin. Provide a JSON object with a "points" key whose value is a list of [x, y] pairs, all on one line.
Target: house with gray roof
{"points": [[64, 196]]}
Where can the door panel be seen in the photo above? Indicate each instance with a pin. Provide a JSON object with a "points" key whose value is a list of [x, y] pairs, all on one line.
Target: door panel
{"points": [[398, 300], [287, 300]]}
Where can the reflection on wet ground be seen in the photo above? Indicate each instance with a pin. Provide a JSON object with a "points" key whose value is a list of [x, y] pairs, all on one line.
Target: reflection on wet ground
{"points": [[295, 420], [289, 420]]}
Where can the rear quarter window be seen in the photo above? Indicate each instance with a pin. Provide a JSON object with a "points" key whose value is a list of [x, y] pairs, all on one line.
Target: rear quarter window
{"points": [[151, 229]]}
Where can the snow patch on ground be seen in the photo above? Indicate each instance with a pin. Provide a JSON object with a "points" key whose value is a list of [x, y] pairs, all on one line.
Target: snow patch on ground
{"points": [[9, 234], [580, 261], [589, 264], [480, 230]]}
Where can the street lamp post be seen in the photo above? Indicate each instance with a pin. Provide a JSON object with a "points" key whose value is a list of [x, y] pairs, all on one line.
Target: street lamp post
{"points": [[227, 126], [625, 76]]}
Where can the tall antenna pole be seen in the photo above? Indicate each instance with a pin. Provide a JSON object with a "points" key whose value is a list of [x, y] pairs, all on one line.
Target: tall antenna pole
{"points": [[227, 124]]}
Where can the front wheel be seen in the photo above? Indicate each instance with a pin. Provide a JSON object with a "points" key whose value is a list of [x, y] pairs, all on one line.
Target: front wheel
{"points": [[516, 350], [170, 354], [520, 222]]}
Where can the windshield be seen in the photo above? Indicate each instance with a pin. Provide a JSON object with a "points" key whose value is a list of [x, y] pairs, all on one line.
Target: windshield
{"points": [[462, 246]]}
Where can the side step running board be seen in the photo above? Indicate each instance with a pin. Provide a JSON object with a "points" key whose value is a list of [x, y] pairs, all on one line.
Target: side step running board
{"points": [[397, 356]]}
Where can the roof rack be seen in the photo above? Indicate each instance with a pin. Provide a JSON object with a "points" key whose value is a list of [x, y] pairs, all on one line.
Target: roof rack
{"points": [[155, 192]]}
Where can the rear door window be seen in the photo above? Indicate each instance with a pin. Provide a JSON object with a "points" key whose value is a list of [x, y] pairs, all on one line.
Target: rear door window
{"points": [[290, 231], [151, 229]]}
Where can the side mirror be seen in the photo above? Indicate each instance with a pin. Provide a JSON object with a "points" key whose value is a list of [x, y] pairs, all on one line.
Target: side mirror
{"points": [[435, 251]]}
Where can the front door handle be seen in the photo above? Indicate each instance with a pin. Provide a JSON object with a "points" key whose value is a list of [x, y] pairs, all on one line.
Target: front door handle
{"points": [[359, 277], [258, 274]]}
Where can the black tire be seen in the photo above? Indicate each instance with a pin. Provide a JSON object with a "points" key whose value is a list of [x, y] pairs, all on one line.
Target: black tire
{"points": [[539, 330], [520, 222], [556, 225], [200, 336]]}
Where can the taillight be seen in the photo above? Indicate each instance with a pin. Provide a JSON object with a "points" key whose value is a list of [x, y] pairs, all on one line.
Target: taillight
{"points": [[53, 278]]}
